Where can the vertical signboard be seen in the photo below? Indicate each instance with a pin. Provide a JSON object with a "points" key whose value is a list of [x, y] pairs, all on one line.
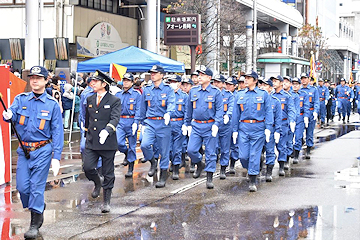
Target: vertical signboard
{"points": [[182, 29]]}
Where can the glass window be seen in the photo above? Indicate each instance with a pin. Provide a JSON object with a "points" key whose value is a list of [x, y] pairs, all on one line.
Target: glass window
{"points": [[90, 3], [109, 5], [97, 4]]}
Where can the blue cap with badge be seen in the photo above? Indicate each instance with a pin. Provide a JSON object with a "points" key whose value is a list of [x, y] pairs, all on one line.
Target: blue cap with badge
{"points": [[205, 70], [219, 78], [269, 82], [174, 77], [128, 76], [231, 80], [304, 75], [279, 77], [38, 71], [251, 74], [187, 80], [295, 79], [194, 73], [101, 76], [156, 69]]}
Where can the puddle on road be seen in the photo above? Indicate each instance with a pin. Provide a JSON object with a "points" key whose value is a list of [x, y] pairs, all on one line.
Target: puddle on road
{"points": [[337, 131], [207, 221]]}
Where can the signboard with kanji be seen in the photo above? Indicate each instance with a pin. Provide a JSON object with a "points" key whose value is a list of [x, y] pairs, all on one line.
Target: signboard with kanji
{"points": [[182, 29]]}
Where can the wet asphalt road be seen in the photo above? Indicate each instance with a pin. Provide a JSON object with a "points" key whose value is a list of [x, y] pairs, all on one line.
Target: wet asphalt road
{"points": [[317, 199]]}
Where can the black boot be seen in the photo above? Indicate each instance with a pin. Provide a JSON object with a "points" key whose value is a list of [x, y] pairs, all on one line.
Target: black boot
{"points": [[252, 184], [307, 154], [209, 178], [36, 222], [339, 117], [222, 172], [232, 166], [125, 162], [129, 173], [192, 167], [107, 196], [171, 167], [162, 181], [200, 166], [281, 169], [348, 119], [344, 120], [175, 175], [286, 165], [143, 160], [153, 167], [98, 183], [183, 163], [262, 159], [268, 176], [296, 157]]}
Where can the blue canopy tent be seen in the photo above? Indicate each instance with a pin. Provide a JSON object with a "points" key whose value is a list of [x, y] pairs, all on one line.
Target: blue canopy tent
{"points": [[134, 58]]}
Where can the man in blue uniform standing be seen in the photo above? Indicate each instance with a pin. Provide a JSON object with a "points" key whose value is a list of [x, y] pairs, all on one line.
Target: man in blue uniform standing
{"points": [[225, 129], [288, 122], [342, 94], [101, 117], [324, 98], [37, 119], [275, 131], [203, 118], [178, 129], [252, 117], [304, 115], [350, 99], [129, 120], [156, 107], [333, 100], [231, 85], [314, 112]]}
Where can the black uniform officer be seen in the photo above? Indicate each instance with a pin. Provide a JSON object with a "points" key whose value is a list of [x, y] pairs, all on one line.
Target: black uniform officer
{"points": [[101, 117]]}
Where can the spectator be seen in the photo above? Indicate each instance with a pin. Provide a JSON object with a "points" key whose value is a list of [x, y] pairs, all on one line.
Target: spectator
{"points": [[56, 94], [67, 100], [76, 110]]}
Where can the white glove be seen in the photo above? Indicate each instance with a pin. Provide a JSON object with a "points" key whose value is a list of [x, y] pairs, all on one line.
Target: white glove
{"points": [[184, 129], [214, 130], [326, 102], [351, 99], [267, 135], [226, 119], [7, 114], [82, 126], [134, 127], [55, 166], [189, 128], [166, 118], [337, 103], [357, 102], [315, 114], [235, 136], [292, 126], [276, 137], [103, 135], [306, 121]]}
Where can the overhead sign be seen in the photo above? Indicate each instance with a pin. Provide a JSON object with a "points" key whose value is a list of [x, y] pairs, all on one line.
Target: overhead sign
{"points": [[182, 29], [102, 39]]}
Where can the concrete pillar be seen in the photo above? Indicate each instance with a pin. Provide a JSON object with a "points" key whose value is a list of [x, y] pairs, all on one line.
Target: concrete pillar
{"points": [[345, 64], [32, 34], [212, 35], [350, 64], [294, 46], [284, 43], [150, 34], [248, 45]]}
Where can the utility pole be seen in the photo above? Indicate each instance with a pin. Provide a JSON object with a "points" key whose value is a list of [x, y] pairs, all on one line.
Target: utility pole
{"points": [[255, 35]]}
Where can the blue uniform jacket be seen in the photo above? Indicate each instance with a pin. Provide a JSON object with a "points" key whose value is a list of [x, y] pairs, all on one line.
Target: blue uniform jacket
{"points": [[295, 96], [276, 107], [181, 104], [83, 96], [323, 93], [313, 98], [130, 103], [304, 103], [252, 105], [39, 119], [357, 92], [287, 105], [205, 105], [155, 102], [228, 102]]}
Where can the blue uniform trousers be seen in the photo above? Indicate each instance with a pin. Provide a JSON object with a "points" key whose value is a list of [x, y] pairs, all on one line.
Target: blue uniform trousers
{"points": [[31, 175], [201, 133], [322, 111], [251, 141], [156, 132], [177, 141], [124, 130], [185, 144], [234, 150], [282, 145], [224, 135], [333, 107], [299, 130], [290, 143], [348, 108], [342, 105], [270, 149], [310, 132]]}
